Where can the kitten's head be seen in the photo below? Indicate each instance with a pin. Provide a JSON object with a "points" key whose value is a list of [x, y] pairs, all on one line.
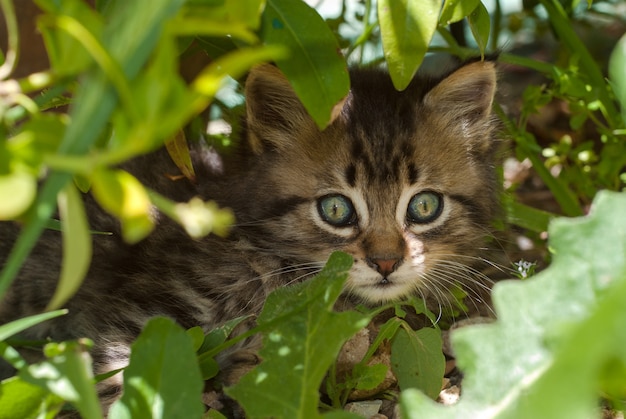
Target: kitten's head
{"points": [[402, 181]]}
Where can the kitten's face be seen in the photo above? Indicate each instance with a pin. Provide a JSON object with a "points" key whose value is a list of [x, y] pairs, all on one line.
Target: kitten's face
{"points": [[403, 182]]}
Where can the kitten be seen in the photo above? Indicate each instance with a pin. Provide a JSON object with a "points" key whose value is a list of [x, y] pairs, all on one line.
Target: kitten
{"points": [[404, 182]]}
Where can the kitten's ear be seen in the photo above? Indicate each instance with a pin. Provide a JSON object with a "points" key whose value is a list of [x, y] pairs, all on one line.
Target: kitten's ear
{"points": [[466, 96], [275, 116]]}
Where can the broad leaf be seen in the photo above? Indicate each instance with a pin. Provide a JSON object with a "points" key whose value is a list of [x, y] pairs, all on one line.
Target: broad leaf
{"points": [[162, 379], [303, 337], [315, 67], [20, 399], [417, 360], [559, 339], [406, 28]]}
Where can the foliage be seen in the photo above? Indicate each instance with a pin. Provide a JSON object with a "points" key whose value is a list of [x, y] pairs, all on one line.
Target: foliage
{"points": [[302, 337], [559, 339], [119, 62]]}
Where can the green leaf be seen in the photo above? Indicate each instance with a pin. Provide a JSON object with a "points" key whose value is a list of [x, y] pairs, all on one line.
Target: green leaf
{"points": [[314, 67], [480, 25], [569, 39], [455, 10], [211, 343], [406, 28], [557, 334], [219, 335], [617, 73], [162, 379], [122, 195], [66, 53], [67, 374], [9, 329], [526, 217], [21, 186], [20, 399], [235, 18], [417, 360], [197, 337], [132, 31], [367, 377], [235, 64], [76, 246], [301, 340]]}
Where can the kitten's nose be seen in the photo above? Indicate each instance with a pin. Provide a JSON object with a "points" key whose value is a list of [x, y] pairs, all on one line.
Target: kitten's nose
{"points": [[384, 266]]}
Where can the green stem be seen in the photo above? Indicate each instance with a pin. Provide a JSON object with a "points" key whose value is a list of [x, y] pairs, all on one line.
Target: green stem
{"points": [[526, 145], [12, 55], [97, 51], [563, 27]]}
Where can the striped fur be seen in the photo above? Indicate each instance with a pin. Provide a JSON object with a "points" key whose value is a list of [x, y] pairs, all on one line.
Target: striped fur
{"points": [[383, 149]]}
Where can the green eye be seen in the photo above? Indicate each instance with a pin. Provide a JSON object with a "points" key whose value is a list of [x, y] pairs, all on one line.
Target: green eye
{"points": [[425, 207], [336, 210]]}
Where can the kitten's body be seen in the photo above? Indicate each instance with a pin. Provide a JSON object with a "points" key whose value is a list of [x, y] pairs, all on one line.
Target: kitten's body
{"points": [[298, 195]]}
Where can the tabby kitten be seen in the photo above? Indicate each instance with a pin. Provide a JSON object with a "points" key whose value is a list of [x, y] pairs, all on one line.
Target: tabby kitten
{"points": [[404, 182]]}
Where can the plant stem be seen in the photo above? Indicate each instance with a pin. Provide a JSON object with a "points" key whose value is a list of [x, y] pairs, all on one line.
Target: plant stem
{"points": [[12, 55], [563, 28]]}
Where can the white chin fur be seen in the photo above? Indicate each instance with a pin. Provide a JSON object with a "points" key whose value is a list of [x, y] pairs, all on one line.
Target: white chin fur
{"points": [[376, 293]]}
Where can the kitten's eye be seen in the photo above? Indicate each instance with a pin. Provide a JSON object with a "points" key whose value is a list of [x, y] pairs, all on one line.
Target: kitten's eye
{"points": [[425, 207], [336, 210]]}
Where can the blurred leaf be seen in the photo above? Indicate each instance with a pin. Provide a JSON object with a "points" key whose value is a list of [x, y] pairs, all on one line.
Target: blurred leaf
{"points": [[22, 400], [9, 329], [197, 337], [162, 379], [67, 54], [18, 190], [315, 67], [417, 360], [480, 25], [617, 73], [179, 152], [67, 374], [131, 34], [41, 134], [301, 340], [122, 195], [235, 18], [455, 10], [235, 64], [406, 28], [526, 217], [216, 46], [556, 332], [76, 246]]}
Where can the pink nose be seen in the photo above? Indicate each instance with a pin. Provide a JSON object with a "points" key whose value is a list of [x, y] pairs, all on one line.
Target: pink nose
{"points": [[385, 266]]}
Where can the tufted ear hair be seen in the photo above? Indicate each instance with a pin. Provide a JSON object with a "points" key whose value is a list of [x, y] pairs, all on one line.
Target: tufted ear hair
{"points": [[275, 116], [466, 96]]}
